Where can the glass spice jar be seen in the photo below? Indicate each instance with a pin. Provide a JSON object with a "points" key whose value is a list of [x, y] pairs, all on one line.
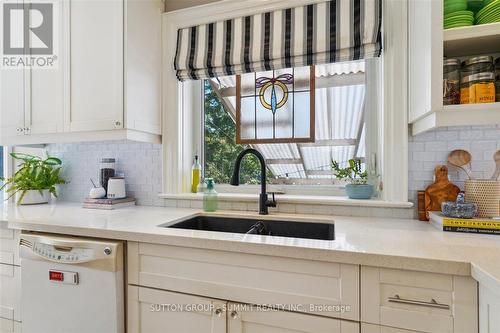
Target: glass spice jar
{"points": [[477, 88], [476, 65], [451, 81], [497, 79], [107, 170]]}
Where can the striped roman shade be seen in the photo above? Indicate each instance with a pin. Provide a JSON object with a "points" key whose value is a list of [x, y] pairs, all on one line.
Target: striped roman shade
{"points": [[332, 31]]}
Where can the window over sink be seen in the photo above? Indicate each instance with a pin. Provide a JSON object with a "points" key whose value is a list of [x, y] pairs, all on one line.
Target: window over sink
{"points": [[343, 122]]}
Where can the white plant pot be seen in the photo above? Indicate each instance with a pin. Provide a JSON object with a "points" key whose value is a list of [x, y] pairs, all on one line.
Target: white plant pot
{"points": [[33, 197]]}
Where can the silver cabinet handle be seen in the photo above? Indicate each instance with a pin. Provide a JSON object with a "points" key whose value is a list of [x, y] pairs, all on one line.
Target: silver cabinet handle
{"points": [[432, 304], [218, 312], [234, 315]]}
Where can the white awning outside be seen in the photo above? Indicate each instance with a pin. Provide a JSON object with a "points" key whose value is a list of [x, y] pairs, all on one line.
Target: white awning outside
{"points": [[340, 100]]}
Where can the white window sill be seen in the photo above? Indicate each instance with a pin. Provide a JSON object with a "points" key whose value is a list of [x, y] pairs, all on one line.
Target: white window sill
{"points": [[294, 199]]}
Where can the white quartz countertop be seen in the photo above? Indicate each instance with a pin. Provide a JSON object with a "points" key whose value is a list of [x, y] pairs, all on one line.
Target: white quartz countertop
{"points": [[382, 242]]}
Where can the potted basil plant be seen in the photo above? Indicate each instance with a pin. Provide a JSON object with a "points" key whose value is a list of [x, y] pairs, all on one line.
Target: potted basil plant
{"points": [[357, 179], [35, 180]]}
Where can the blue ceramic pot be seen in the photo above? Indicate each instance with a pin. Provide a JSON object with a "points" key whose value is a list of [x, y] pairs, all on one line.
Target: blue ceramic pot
{"points": [[361, 191]]}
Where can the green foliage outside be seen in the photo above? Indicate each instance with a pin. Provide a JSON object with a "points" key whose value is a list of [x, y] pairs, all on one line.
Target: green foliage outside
{"points": [[34, 173], [220, 146]]}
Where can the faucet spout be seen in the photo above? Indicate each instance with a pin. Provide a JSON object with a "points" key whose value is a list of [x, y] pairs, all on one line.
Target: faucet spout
{"points": [[264, 203]]}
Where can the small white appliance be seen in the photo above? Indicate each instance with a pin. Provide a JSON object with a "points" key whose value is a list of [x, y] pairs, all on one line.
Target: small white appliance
{"points": [[116, 188], [71, 285]]}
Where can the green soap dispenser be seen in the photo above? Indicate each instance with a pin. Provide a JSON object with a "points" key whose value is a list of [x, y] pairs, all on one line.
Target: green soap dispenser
{"points": [[210, 196]]}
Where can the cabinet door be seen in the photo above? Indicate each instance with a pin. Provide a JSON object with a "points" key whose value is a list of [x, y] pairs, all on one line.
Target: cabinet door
{"points": [[9, 326], [44, 87], [370, 328], [244, 318], [11, 102], [96, 57], [10, 292], [489, 310], [9, 245], [158, 311]]}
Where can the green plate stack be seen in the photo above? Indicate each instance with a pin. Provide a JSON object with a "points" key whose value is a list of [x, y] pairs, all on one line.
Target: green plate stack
{"points": [[490, 12], [456, 14]]}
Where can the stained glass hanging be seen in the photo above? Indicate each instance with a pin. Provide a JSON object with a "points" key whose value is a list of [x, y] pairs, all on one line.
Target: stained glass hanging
{"points": [[275, 106]]}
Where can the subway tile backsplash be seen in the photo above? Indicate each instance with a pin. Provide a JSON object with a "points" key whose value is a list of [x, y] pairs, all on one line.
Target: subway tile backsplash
{"points": [[139, 162], [142, 166], [431, 148]]}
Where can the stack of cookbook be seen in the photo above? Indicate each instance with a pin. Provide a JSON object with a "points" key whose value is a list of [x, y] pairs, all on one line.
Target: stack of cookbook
{"points": [[477, 226], [108, 204]]}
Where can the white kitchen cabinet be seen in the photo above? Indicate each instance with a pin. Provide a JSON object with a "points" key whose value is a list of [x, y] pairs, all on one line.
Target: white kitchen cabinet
{"points": [[419, 301], [489, 310], [11, 102], [428, 44], [9, 245], [44, 89], [10, 292], [370, 328], [243, 318], [10, 326], [107, 85], [248, 278], [96, 53], [158, 311]]}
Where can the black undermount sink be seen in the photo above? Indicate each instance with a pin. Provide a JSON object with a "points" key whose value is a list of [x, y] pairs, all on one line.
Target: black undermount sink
{"points": [[309, 230]]}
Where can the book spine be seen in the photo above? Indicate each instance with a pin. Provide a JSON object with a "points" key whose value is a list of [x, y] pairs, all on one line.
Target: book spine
{"points": [[482, 224], [472, 230]]}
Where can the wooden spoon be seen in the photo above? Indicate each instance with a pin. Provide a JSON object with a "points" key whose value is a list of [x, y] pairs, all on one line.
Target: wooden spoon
{"points": [[461, 159], [496, 157]]}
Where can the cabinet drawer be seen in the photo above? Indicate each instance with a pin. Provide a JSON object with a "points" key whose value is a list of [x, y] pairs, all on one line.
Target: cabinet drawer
{"points": [[327, 289], [242, 318], [9, 326], [159, 311], [10, 292], [370, 328], [9, 245], [426, 302]]}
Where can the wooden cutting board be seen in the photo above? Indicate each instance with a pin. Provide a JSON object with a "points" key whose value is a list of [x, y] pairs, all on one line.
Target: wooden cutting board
{"points": [[440, 191]]}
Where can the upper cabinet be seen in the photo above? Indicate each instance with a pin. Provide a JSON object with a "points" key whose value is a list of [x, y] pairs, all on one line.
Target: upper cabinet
{"points": [[107, 85], [429, 45]]}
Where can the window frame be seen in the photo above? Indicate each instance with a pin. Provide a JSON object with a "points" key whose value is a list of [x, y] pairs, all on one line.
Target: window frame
{"points": [[391, 126]]}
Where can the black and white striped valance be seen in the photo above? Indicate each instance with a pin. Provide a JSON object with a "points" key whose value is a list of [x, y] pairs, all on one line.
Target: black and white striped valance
{"points": [[333, 31]]}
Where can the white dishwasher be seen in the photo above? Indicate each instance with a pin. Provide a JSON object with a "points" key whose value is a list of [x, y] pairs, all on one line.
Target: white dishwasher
{"points": [[71, 285]]}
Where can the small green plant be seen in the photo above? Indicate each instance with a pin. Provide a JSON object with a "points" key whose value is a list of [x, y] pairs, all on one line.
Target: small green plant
{"points": [[353, 174], [34, 173]]}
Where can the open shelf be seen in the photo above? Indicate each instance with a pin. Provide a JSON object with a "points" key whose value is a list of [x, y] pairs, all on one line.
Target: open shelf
{"points": [[473, 40], [459, 115]]}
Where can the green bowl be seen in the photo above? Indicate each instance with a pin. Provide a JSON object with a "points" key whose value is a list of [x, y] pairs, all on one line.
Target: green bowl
{"points": [[457, 25], [486, 9], [490, 17], [455, 7], [459, 13]]}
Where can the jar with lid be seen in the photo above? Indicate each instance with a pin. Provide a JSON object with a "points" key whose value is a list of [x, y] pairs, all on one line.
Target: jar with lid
{"points": [[477, 88], [107, 170], [451, 81], [476, 65], [497, 79]]}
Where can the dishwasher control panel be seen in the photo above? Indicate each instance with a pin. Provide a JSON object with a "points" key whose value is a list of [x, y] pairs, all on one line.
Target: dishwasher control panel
{"points": [[72, 255]]}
